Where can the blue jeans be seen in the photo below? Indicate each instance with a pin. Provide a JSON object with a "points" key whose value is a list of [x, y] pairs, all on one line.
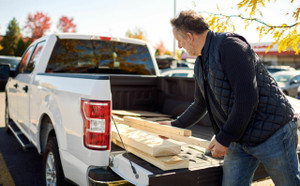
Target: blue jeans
{"points": [[278, 155]]}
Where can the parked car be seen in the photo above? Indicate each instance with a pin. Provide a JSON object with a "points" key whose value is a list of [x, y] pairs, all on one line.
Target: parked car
{"points": [[4, 75], [288, 81], [298, 93], [277, 68], [178, 72], [12, 62]]}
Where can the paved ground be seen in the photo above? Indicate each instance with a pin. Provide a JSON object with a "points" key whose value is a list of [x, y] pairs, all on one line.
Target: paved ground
{"points": [[17, 167]]}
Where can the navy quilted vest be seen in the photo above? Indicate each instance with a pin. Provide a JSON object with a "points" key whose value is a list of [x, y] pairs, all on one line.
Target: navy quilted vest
{"points": [[273, 110]]}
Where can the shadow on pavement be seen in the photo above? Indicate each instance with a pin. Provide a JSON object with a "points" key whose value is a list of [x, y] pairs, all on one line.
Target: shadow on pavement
{"points": [[24, 166]]}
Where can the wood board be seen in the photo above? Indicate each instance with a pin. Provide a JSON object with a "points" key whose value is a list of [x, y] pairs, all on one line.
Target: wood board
{"points": [[148, 143], [164, 163], [135, 122], [138, 113], [150, 128]]}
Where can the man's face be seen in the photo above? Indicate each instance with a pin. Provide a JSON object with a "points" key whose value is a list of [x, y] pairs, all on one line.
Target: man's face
{"points": [[185, 41]]}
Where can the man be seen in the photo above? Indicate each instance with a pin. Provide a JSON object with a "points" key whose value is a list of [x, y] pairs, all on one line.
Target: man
{"points": [[252, 119]]}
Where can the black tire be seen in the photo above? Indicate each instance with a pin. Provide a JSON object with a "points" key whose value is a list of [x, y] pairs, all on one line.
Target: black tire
{"points": [[7, 119], [52, 168]]}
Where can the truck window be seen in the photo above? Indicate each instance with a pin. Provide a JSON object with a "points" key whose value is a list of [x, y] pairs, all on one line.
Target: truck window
{"points": [[36, 54], [98, 56], [24, 59]]}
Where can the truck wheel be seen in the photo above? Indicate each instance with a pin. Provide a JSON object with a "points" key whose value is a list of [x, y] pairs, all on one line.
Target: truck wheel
{"points": [[53, 173], [7, 119]]}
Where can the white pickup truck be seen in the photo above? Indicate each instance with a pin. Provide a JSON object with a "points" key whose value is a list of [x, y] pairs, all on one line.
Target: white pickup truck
{"points": [[60, 102]]}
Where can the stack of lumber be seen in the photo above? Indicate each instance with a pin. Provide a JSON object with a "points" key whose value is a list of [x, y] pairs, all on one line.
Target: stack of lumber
{"points": [[141, 137], [150, 147]]}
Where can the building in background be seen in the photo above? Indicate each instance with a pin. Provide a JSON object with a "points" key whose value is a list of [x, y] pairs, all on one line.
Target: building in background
{"points": [[273, 57]]}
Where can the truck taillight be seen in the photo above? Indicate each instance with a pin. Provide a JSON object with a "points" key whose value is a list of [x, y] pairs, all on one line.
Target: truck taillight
{"points": [[105, 38], [96, 124]]}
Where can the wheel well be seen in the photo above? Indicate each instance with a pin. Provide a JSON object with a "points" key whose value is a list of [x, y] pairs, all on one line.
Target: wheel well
{"points": [[46, 130]]}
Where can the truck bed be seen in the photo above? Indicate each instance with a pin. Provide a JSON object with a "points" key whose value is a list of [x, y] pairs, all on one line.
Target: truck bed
{"points": [[203, 169], [170, 96]]}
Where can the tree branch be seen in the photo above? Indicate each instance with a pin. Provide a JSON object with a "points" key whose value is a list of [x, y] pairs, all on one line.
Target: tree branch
{"points": [[252, 19]]}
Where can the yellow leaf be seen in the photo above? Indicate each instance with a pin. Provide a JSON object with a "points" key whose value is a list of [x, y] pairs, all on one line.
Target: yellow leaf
{"points": [[270, 46], [218, 8], [296, 13]]}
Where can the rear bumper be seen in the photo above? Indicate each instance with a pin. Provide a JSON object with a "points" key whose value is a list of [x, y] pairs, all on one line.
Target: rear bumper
{"points": [[101, 176]]}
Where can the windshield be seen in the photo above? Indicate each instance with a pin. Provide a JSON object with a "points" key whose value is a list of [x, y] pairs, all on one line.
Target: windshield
{"points": [[283, 78], [98, 56]]}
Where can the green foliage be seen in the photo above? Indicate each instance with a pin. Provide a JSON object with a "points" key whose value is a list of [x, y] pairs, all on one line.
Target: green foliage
{"points": [[22, 46], [11, 38]]}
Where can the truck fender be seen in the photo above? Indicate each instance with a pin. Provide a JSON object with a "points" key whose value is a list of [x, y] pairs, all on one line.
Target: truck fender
{"points": [[45, 128], [50, 110]]}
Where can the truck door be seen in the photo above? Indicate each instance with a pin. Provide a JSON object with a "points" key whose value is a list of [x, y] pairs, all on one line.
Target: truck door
{"points": [[15, 90], [24, 80]]}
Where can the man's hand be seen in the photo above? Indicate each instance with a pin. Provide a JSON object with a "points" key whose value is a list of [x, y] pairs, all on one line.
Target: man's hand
{"points": [[217, 150], [164, 123]]}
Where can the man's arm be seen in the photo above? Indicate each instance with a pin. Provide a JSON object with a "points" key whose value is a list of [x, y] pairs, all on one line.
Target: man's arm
{"points": [[194, 113], [238, 64]]}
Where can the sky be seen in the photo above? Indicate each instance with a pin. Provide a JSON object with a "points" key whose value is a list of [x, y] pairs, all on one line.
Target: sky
{"points": [[116, 17]]}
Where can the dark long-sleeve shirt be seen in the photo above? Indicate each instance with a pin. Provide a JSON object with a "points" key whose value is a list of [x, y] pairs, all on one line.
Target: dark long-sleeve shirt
{"points": [[237, 64]]}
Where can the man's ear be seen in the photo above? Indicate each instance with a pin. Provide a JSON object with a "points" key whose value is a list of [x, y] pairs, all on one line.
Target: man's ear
{"points": [[189, 36]]}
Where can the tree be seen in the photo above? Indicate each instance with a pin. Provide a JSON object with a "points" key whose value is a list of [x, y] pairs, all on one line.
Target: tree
{"points": [[137, 34], [11, 38], [160, 48], [66, 24], [287, 36], [22, 46], [37, 24], [1, 47]]}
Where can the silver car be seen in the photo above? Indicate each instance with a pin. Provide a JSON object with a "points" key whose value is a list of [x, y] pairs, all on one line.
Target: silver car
{"points": [[178, 72], [288, 81]]}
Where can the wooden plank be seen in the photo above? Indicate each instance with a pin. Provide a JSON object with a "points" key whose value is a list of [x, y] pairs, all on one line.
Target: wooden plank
{"points": [[153, 125], [164, 163], [148, 143], [124, 113], [189, 140], [139, 113], [156, 119]]}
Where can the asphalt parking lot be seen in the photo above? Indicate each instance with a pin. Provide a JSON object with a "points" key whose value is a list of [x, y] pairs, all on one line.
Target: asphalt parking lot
{"points": [[17, 167]]}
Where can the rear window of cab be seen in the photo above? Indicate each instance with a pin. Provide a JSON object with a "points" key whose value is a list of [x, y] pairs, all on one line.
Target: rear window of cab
{"points": [[100, 57]]}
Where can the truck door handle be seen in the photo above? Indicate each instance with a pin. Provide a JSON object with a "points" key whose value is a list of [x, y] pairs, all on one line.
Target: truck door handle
{"points": [[25, 88], [16, 85]]}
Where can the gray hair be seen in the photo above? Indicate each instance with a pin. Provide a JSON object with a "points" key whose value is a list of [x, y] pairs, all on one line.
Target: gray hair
{"points": [[190, 21]]}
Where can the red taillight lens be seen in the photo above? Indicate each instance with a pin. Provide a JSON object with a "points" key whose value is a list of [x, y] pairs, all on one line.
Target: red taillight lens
{"points": [[105, 38], [96, 118]]}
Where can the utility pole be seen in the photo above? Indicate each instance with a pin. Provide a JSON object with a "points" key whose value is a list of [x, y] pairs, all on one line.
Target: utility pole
{"points": [[174, 42]]}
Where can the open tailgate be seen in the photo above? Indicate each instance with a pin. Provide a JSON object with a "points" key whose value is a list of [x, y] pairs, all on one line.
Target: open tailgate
{"points": [[202, 170]]}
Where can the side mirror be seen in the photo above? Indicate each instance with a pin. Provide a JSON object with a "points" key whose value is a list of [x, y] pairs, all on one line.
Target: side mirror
{"points": [[294, 82], [4, 70]]}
